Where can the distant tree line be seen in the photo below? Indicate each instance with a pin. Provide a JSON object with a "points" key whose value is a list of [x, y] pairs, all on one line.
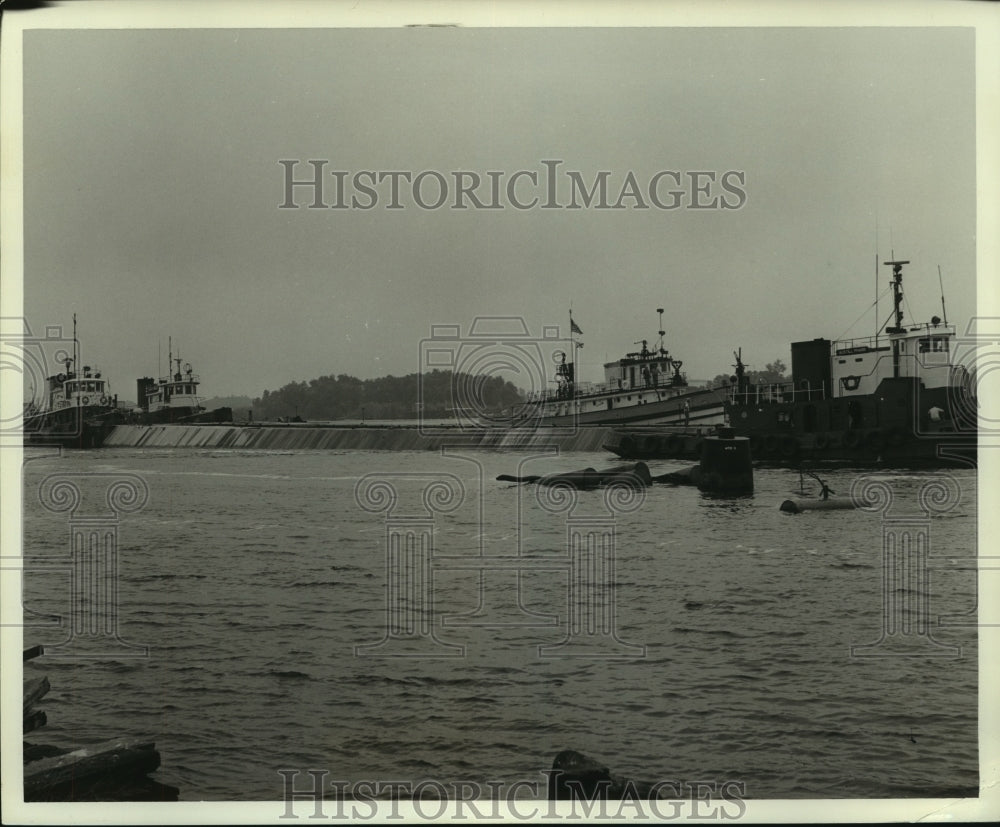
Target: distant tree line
{"points": [[389, 397]]}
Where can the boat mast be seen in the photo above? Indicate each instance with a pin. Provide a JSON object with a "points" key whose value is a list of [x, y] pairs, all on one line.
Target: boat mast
{"points": [[75, 357], [897, 303], [944, 312], [897, 294], [661, 331], [572, 356], [876, 293]]}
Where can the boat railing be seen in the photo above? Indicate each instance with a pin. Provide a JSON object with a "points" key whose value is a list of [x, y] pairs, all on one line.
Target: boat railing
{"points": [[779, 392], [588, 389], [862, 344]]}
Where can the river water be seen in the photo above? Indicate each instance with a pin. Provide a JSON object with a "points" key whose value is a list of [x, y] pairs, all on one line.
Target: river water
{"points": [[259, 583]]}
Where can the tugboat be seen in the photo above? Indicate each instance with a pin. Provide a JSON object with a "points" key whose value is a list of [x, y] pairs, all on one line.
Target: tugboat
{"points": [[895, 398], [174, 398], [643, 387], [77, 411]]}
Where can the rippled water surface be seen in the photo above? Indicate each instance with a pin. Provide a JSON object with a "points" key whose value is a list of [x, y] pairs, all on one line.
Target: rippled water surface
{"points": [[253, 576]]}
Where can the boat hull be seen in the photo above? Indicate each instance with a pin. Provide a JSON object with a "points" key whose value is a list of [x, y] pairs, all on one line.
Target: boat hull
{"points": [[184, 416], [889, 427], [77, 428], [705, 407]]}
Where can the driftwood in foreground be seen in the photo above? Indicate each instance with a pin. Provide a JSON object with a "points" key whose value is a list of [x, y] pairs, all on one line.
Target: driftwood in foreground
{"points": [[34, 720], [111, 771], [34, 690], [33, 652]]}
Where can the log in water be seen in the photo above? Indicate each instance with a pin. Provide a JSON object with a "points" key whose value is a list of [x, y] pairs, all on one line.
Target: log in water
{"points": [[831, 504]]}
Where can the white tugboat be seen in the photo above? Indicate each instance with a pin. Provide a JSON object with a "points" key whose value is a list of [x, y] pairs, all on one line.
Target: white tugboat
{"points": [[77, 410], [645, 387], [175, 398]]}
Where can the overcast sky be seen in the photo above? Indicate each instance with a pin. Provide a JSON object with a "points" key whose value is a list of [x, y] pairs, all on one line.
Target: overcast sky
{"points": [[153, 185]]}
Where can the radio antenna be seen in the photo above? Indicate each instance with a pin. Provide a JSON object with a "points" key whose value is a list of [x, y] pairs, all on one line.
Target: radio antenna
{"points": [[941, 285], [876, 296]]}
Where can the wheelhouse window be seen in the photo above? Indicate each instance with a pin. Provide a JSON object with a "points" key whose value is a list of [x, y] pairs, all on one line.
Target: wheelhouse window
{"points": [[936, 344]]}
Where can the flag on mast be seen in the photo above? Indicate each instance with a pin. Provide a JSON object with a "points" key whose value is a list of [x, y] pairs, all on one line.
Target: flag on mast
{"points": [[574, 327]]}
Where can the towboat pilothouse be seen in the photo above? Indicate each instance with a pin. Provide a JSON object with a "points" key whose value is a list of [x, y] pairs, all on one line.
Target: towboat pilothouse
{"points": [[643, 387]]}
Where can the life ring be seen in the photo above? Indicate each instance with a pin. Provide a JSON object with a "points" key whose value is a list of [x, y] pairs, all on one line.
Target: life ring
{"points": [[875, 440], [822, 442], [789, 446], [85, 400], [104, 400], [852, 439], [850, 383], [61, 378]]}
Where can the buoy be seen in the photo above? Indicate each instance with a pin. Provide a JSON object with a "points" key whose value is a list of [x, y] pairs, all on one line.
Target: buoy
{"points": [[725, 466]]}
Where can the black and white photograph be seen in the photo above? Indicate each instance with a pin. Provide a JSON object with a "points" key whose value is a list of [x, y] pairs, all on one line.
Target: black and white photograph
{"points": [[529, 412]]}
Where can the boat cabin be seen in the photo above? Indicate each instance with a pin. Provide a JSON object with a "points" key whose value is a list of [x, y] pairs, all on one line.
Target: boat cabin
{"points": [[894, 378], [178, 390], [644, 369], [72, 389], [824, 369]]}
